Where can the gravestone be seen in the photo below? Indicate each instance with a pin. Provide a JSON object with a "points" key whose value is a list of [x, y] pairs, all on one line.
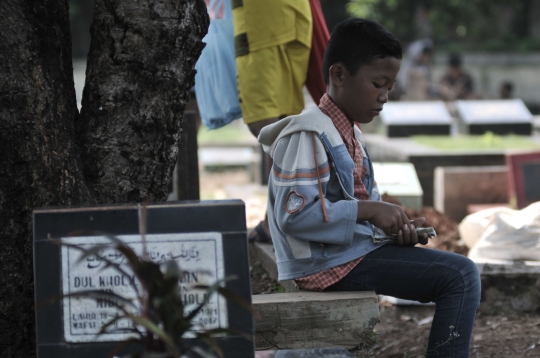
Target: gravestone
{"points": [[400, 181], [524, 178], [306, 353], [498, 116], [426, 159], [207, 239], [405, 119], [457, 187]]}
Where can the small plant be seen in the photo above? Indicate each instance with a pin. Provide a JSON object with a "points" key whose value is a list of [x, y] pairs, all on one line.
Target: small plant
{"points": [[453, 335], [158, 316]]}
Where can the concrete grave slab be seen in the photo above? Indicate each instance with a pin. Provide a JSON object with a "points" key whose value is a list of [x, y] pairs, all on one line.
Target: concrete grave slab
{"points": [[497, 116], [315, 319], [399, 180], [404, 119], [264, 253], [510, 285], [306, 319], [457, 187]]}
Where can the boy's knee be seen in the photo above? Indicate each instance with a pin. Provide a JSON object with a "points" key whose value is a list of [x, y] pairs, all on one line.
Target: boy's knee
{"points": [[471, 277]]}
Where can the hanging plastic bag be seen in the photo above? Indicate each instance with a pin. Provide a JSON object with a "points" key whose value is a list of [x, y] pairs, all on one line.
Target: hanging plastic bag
{"points": [[215, 80]]}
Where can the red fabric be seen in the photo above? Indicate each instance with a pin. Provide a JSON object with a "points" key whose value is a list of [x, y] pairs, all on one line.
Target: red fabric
{"points": [[346, 130], [319, 39], [326, 278]]}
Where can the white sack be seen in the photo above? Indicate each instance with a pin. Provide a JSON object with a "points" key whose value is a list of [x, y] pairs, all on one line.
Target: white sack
{"points": [[503, 234]]}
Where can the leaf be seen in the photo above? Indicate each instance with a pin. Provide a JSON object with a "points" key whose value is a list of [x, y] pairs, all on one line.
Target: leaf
{"points": [[90, 294], [152, 327], [225, 292], [239, 300], [173, 270], [211, 343], [230, 331], [122, 345], [113, 321], [96, 294], [201, 352]]}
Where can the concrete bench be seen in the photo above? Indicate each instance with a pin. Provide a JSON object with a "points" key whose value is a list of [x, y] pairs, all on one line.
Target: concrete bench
{"points": [[306, 319], [315, 319]]}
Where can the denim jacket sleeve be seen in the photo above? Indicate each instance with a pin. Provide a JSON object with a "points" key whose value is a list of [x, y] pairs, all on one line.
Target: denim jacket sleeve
{"points": [[298, 186]]}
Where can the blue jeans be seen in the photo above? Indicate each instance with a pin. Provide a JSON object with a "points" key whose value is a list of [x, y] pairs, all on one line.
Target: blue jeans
{"points": [[451, 281]]}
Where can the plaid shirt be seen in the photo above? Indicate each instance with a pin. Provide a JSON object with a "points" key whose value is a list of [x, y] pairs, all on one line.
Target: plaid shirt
{"points": [[326, 278]]}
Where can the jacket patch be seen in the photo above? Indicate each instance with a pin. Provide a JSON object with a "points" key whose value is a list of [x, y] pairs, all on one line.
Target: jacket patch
{"points": [[295, 202]]}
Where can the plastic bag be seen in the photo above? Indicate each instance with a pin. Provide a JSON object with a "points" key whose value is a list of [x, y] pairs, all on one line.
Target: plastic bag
{"points": [[215, 80], [503, 233]]}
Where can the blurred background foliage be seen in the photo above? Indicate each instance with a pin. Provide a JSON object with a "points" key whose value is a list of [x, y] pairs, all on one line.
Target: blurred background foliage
{"points": [[456, 25], [80, 18]]}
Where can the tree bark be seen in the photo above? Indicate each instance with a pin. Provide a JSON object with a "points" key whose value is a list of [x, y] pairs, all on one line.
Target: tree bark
{"points": [[139, 72], [39, 163], [122, 148]]}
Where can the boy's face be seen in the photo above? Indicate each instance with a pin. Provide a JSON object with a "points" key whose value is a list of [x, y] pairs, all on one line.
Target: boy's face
{"points": [[361, 96]]}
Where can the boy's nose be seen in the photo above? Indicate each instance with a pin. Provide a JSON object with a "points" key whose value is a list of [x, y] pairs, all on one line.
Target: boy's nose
{"points": [[383, 98]]}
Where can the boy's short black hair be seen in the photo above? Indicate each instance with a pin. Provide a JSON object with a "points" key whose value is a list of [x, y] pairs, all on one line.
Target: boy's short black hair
{"points": [[357, 42]]}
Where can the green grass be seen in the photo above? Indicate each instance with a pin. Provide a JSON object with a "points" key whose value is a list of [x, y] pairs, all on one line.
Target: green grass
{"points": [[484, 142], [226, 134]]}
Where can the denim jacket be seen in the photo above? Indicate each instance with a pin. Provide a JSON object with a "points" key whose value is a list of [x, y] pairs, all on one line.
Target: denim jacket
{"points": [[311, 205]]}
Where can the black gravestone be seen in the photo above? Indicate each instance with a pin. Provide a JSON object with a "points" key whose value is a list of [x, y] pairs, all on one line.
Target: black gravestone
{"points": [[223, 219], [405, 119], [531, 181], [524, 178], [497, 116]]}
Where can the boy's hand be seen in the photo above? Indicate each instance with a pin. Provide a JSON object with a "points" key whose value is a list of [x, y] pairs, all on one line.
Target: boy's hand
{"points": [[388, 217], [408, 235], [392, 220]]}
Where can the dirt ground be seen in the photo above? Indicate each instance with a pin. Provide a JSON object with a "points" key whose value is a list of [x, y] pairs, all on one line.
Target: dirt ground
{"points": [[405, 329]]}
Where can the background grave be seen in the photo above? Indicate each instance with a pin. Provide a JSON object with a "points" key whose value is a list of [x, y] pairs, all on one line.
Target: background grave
{"points": [[524, 178], [497, 116], [400, 181], [405, 119]]}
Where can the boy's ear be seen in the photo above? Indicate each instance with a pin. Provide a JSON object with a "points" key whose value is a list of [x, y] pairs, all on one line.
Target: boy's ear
{"points": [[337, 73]]}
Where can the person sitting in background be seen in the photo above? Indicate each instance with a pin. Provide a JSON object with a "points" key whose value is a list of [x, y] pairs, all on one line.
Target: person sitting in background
{"points": [[456, 84], [506, 90], [414, 81]]}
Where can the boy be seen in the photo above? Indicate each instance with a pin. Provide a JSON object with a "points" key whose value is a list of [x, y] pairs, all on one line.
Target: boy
{"points": [[324, 205]]}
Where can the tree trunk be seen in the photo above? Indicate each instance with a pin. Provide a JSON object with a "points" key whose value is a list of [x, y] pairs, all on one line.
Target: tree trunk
{"points": [[139, 72], [122, 148], [39, 164]]}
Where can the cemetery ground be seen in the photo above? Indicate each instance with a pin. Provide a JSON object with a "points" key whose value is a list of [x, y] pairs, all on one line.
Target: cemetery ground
{"points": [[402, 329]]}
